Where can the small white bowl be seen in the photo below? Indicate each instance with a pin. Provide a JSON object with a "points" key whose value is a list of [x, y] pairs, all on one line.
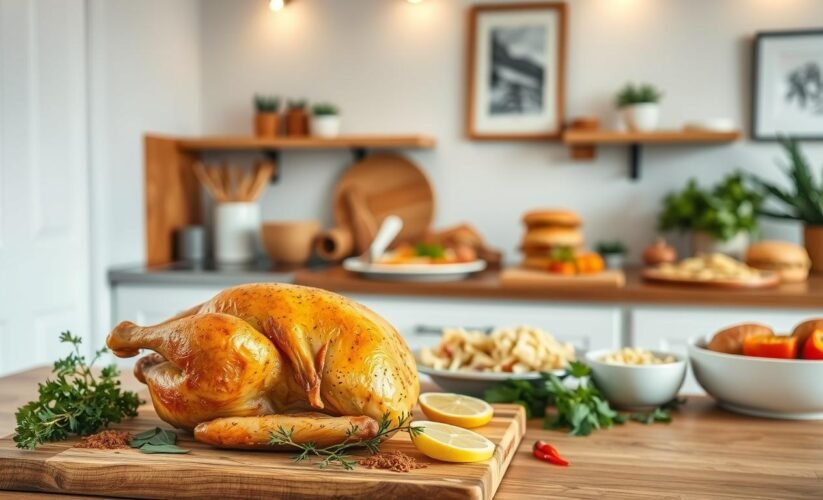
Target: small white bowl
{"points": [[762, 387], [637, 386]]}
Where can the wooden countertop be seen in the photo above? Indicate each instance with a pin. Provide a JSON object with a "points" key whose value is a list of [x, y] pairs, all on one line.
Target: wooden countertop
{"points": [[487, 285], [704, 453]]}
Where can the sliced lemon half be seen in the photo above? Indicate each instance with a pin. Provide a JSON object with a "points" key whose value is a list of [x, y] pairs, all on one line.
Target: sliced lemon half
{"points": [[456, 409], [450, 443]]}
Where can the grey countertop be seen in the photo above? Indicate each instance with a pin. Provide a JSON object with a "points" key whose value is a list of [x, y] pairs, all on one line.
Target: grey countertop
{"points": [[208, 274]]}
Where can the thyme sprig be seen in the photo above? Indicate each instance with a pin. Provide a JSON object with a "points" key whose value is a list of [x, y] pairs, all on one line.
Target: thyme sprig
{"points": [[339, 453]]}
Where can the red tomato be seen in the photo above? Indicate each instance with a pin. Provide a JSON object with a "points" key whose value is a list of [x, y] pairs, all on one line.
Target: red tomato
{"points": [[813, 348], [770, 346]]}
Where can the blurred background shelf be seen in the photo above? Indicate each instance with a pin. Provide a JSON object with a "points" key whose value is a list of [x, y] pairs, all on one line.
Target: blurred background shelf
{"points": [[244, 143]]}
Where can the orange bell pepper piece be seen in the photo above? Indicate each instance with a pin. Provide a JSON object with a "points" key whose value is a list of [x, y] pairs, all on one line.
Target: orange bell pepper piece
{"points": [[558, 267], [770, 346], [813, 348]]}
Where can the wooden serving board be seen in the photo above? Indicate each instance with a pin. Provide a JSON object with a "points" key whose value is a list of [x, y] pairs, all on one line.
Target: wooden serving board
{"points": [[210, 472], [767, 280], [519, 276]]}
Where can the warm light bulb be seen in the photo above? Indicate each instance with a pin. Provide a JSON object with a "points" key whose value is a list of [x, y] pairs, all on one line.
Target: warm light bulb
{"points": [[277, 5], [415, 1]]}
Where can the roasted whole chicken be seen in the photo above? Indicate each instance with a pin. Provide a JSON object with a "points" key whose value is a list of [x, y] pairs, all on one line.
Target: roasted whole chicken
{"points": [[260, 356]]}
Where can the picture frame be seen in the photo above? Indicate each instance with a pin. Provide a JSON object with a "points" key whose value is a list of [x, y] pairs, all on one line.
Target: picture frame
{"points": [[515, 72], [787, 85]]}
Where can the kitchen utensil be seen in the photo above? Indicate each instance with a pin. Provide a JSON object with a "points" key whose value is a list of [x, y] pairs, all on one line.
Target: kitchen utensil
{"points": [[390, 185], [413, 272], [231, 183], [763, 387], [334, 245], [217, 473], [389, 229], [191, 244], [637, 386], [289, 242], [236, 228], [475, 383], [766, 280], [518, 276]]}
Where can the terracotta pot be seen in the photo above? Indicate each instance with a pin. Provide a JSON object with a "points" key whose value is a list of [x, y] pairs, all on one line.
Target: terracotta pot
{"points": [[297, 123], [813, 240], [265, 124], [289, 242]]}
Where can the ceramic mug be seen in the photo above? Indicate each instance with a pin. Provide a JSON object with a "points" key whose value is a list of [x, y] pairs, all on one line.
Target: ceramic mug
{"points": [[236, 227]]}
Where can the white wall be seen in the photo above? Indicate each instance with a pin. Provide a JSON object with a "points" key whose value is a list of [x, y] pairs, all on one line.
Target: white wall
{"points": [[44, 243], [144, 77], [396, 67]]}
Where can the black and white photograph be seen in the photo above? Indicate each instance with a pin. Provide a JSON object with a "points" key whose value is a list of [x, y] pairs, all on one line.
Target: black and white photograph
{"points": [[515, 87], [787, 92]]}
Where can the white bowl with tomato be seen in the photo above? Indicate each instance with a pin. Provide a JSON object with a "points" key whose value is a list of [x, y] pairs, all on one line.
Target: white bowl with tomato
{"points": [[752, 370]]}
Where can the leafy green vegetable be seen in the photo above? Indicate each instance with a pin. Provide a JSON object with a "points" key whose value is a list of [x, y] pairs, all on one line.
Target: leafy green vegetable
{"points": [[724, 211], [522, 392], [640, 94], [563, 254], [433, 250], [338, 453], [804, 202], [76, 401], [157, 440]]}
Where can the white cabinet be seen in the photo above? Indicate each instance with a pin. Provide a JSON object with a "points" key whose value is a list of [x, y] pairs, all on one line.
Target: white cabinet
{"points": [[152, 304], [669, 329], [419, 319]]}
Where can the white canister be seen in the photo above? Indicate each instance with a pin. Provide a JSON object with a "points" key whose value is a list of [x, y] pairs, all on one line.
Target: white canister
{"points": [[236, 229], [643, 117], [325, 125]]}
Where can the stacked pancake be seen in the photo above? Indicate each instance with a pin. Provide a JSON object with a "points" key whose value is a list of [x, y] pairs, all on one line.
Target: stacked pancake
{"points": [[549, 232]]}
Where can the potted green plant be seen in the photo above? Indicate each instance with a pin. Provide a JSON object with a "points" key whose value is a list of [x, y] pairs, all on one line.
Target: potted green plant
{"points": [[325, 120], [640, 106], [297, 120], [613, 253], [802, 202], [266, 117], [721, 219]]}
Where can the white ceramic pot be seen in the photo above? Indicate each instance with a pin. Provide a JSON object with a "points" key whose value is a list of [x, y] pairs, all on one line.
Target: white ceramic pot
{"points": [[643, 117], [325, 125], [734, 247], [236, 232], [637, 386], [614, 260]]}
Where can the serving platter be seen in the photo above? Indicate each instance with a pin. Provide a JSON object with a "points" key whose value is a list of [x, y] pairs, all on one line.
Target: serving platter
{"points": [[766, 280], [413, 272], [475, 383], [209, 472]]}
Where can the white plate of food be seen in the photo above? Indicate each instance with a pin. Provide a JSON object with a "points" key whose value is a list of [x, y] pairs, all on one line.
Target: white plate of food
{"points": [[470, 362], [414, 271], [711, 270]]}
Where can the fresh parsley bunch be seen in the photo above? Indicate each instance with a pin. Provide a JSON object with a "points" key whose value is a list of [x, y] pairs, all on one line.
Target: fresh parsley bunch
{"points": [[75, 401]]}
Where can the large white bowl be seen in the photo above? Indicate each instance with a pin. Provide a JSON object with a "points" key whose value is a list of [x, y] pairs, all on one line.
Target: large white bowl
{"points": [[763, 387], [637, 386]]}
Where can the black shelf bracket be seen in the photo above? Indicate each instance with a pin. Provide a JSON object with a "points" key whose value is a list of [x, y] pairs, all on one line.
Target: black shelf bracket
{"points": [[635, 156], [359, 153], [273, 155]]}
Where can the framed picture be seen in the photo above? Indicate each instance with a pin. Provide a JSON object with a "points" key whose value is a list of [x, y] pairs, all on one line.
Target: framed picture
{"points": [[787, 85], [516, 58]]}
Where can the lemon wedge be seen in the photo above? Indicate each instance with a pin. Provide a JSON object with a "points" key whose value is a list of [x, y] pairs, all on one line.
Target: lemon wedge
{"points": [[450, 443], [456, 409]]}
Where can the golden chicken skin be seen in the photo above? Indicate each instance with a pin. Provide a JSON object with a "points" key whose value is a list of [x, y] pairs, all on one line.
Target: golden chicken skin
{"points": [[263, 355]]}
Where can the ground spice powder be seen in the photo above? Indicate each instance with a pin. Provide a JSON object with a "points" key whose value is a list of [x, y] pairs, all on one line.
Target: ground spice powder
{"points": [[106, 440], [396, 461]]}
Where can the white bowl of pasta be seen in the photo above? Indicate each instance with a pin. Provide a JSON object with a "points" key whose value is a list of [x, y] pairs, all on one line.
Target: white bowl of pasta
{"points": [[470, 362]]}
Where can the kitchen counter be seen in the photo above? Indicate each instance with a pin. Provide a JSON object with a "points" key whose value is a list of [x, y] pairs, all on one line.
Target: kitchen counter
{"points": [[704, 453], [487, 285], [207, 274]]}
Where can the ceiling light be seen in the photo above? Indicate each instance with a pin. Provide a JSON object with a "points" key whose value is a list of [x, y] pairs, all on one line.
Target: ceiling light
{"points": [[277, 5], [415, 1]]}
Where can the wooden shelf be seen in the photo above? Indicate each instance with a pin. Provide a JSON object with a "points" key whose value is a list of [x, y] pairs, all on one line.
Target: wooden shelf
{"points": [[583, 142], [241, 143], [593, 137]]}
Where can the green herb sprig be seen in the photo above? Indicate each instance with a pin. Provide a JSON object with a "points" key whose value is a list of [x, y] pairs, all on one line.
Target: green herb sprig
{"points": [[76, 401], [157, 440], [433, 250], [339, 453]]}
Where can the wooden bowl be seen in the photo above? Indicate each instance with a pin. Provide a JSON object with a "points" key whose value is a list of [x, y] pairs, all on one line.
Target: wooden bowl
{"points": [[289, 242]]}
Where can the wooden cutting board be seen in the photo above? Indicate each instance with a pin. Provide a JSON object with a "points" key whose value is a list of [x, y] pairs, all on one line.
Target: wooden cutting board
{"points": [[387, 184], [519, 276], [211, 472]]}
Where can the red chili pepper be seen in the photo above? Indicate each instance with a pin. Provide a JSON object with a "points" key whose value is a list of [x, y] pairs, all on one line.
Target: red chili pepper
{"points": [[548, 453]]}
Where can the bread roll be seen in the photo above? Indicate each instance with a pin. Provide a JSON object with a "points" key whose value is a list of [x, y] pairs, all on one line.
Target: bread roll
{"points": [[551, 218], [805, 329], [730, 340]]}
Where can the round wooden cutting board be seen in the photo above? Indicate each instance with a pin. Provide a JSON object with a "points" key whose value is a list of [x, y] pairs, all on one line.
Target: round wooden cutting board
{"points": [[386, 184], [766, 280]]}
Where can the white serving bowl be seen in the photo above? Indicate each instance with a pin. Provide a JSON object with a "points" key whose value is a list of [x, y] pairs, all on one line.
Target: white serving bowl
{"points": [[475, 383], [637, 386], [763, 387]]}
